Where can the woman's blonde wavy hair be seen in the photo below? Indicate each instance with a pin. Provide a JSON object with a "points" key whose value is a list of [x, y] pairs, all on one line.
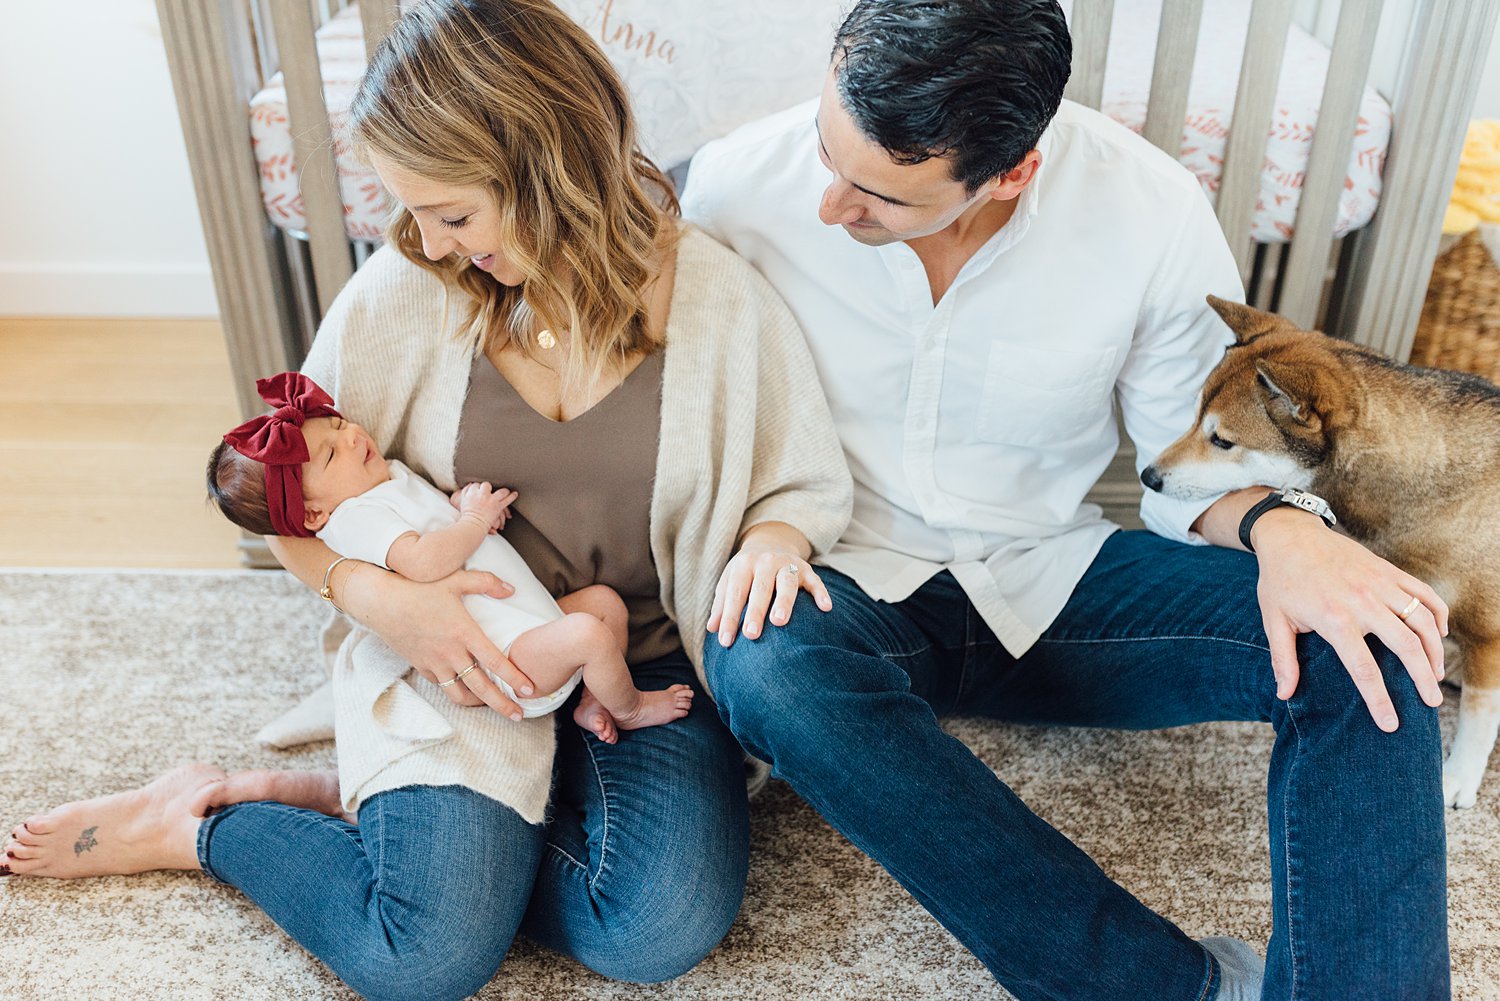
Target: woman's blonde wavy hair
{"points": [[514, 97]]}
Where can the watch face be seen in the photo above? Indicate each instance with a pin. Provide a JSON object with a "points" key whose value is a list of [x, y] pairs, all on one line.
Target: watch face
{"points": [[1311, 503]]}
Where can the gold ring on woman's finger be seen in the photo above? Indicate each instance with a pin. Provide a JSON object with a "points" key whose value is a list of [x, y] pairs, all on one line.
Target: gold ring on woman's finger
{"points": [[1416, 603], [459, 676]]}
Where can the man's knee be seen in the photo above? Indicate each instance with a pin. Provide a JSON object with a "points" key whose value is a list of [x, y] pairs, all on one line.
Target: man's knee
{"points": [[1329, 686], [754, 682]]}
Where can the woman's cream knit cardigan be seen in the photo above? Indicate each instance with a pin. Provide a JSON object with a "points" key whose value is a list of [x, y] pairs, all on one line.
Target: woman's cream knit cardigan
{"points": [[745, 437]]}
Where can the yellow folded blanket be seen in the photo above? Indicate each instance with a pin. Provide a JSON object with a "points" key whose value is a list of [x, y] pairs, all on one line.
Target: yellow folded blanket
{"points": [[1476, 190]]}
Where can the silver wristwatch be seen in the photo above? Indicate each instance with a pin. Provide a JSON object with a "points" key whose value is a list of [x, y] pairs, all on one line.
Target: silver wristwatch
{"points": [[1311, 503]]}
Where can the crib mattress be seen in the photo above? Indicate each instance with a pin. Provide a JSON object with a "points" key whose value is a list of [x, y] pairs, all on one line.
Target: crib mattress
{"points": [[693, 78]]}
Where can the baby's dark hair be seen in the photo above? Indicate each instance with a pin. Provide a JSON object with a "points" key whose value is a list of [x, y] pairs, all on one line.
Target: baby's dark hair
{"points": [[237, 487]]}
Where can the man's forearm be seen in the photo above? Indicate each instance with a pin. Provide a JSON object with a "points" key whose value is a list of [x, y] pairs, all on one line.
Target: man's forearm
{"points": [[1220, 524]]}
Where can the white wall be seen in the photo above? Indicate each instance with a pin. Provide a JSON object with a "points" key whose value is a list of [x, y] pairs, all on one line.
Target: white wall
{"points": [[97, 212]]}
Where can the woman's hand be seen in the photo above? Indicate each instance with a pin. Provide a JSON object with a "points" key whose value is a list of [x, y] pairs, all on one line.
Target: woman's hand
{"points": [[428, 626], [767, 572]]}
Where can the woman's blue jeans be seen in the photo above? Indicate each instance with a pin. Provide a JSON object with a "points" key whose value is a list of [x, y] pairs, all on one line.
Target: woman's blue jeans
{"points": [[845, 706], [638, 873]]}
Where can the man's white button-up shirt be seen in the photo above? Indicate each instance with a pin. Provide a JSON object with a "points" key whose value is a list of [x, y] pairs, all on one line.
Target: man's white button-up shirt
{"points": [[974, 427]]}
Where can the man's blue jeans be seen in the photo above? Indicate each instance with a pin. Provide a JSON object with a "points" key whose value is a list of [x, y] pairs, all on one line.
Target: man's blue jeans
{"points": [[638, 873], [844, 705]]}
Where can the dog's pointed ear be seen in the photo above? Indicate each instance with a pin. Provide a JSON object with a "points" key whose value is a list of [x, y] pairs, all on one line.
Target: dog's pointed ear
{"points": [[1246, 322], [1288, 391]]}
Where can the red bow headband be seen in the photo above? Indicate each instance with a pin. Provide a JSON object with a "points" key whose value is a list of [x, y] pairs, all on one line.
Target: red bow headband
{"points": [[276, 441]]}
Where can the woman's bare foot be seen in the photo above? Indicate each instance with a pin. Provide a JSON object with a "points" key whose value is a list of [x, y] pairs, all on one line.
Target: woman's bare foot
{"points": [[152, 827], [593, 717], [310, 790], [657, 708]]}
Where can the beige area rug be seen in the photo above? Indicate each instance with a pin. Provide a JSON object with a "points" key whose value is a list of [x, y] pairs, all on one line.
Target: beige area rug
{"points": [[110, 677]]}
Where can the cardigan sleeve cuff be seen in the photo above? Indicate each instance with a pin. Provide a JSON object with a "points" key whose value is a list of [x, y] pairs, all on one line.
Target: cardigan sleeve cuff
{"points": [[807, 514]]}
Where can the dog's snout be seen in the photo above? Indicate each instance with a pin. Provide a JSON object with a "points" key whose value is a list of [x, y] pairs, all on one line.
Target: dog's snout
{"points": [[1151, 478]]}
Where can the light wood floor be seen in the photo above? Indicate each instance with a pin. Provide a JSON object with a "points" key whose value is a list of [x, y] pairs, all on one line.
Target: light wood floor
{"points": [[105, 427]]}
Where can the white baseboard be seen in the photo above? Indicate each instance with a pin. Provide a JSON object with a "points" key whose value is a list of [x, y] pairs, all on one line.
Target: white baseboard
{"points": [[156, 290]]}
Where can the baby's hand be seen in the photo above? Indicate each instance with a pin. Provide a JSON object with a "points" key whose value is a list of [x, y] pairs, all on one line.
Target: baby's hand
{"points": [[491, 506]]}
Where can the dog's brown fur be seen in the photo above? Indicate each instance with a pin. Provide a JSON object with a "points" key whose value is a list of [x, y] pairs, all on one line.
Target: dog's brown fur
{"points": [[1408, 458]]}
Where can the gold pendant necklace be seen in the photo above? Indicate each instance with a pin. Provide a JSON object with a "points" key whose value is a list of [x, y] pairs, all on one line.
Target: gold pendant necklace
{"points": [[546, 340]]}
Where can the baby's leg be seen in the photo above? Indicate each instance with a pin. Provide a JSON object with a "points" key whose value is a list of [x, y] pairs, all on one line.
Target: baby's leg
{"points": [[549, 654], [603, 604]]}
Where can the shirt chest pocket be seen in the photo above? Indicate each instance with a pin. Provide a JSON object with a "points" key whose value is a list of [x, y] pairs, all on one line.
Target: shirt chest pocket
{"points": [[1044, 396]]}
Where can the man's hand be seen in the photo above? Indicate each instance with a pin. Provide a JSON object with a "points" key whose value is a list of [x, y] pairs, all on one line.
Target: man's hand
{"points": [[1313, 579]]}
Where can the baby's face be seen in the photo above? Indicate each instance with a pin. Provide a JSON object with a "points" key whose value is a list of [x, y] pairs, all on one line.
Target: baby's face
{"points": [[345, 463]]}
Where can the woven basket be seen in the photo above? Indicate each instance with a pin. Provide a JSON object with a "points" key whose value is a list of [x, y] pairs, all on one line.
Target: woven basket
{"points": [[1460, 325]]}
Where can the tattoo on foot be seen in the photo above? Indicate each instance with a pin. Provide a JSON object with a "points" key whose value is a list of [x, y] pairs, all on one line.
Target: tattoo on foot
{"points": [[86, 841]]}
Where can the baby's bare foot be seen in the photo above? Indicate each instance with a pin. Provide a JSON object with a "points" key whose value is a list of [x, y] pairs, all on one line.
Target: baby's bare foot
{"points": [[310, 790], [152, 827], [656, 708], [593, 717]]}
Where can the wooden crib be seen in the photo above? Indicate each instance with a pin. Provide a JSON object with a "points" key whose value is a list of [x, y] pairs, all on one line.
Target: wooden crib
{"points": [[273, 287]]}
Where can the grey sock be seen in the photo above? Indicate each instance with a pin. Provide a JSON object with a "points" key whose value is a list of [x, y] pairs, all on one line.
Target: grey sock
{"points": [[1241, 969]]}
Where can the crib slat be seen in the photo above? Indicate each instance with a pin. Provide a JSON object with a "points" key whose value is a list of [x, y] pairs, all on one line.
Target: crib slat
{"points": [[1442, 66], [1090, 27], [312, 147], [377, 17], [1254, 105], [1176, 44], [1328, 161]]}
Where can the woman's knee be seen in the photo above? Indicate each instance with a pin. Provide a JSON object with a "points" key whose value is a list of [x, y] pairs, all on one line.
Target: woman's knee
{"points": [[418, 966], [437, 924], [656, 937]]}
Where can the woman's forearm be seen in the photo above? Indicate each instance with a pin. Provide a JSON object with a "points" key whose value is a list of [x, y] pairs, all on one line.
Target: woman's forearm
{"points": [[776, 536], [308, 560]]}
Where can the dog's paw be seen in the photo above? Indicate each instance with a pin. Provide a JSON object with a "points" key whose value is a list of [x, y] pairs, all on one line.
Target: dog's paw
{"points": [[1459, 791]]}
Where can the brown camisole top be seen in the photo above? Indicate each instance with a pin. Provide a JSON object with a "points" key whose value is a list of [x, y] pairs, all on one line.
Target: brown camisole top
{"points": [[584, 511]]}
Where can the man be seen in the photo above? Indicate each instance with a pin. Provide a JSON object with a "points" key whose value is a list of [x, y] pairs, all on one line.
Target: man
{"points": [[983, 274]]}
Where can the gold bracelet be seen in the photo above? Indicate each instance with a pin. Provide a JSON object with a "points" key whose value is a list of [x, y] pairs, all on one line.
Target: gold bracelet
{"points": [[326, 591]]}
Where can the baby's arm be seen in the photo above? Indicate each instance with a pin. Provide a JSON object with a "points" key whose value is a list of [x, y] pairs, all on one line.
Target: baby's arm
{"points": [[437, 554]]}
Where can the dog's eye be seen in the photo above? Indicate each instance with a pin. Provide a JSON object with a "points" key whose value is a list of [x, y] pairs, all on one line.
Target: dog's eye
{"points": [[1218, 442]]}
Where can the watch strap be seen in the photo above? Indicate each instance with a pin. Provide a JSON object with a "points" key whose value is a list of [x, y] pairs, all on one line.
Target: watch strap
{"points": [[1270, 500]]}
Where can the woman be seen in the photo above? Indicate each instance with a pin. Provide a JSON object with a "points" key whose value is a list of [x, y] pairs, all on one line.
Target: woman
{"points": [[537, 319]]}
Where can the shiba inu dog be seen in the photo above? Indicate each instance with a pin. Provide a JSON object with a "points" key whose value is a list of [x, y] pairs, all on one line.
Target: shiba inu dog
{"points": [[1408, 458]]}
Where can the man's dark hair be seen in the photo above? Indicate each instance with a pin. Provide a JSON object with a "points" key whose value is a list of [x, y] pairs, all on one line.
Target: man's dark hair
{"points": [[975, 81]]}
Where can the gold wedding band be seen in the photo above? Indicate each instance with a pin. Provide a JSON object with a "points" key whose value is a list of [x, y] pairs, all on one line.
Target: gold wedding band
{"points": [[1416, 603], [459, 676]]}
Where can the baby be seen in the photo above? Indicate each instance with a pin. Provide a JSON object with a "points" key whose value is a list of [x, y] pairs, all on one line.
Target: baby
{"points": [[305, 470]]}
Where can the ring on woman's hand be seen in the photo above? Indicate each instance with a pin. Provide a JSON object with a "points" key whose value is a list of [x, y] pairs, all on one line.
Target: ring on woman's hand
{"points": [[791, 568], [1416, 603], [459, 676]]}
